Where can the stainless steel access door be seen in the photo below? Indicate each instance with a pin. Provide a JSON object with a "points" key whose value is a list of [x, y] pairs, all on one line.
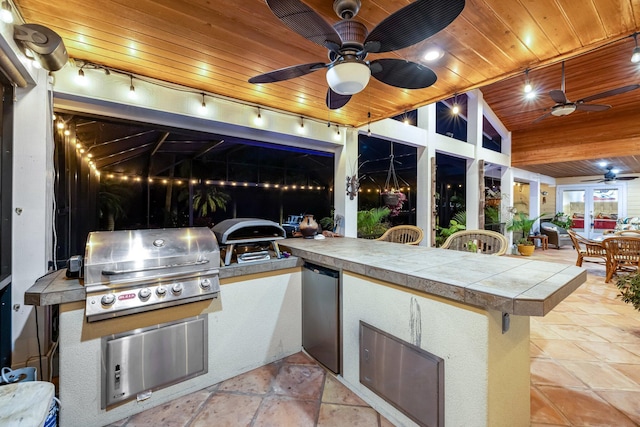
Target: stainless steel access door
{"points": [[152, 358], [320, 315]]}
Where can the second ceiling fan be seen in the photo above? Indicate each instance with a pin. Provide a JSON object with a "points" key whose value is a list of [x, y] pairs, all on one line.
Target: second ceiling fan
{"points": [[564, 107], [348, 42]]}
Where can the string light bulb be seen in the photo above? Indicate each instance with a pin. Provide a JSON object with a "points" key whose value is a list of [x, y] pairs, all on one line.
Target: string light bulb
{"points": [[6, 14], [529, 93], [203, 107], [635, 57], [369, 123], [258, 120], [132, 88], [456, 108]]}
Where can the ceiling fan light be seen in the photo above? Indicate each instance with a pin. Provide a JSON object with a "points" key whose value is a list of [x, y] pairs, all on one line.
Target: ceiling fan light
{"points": [[563, 110], [635, 57], [348, 78]]}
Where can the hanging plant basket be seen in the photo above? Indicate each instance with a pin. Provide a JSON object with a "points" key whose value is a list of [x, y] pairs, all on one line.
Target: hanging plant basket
{"points": [[492, 202], [390, 199]]}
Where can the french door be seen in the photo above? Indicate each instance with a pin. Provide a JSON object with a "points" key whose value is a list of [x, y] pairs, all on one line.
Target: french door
{"points": [[593, 208]]}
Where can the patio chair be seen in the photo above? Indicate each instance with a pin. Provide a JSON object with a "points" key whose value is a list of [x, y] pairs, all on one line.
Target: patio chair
{"points": [[587, 249], [487, 241], [630, 233], [557, 235], [623, 253], [406, 234]]}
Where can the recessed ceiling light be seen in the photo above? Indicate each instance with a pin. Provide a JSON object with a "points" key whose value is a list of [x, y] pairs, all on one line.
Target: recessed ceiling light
{"points": [[433, 53], [602, 164]]}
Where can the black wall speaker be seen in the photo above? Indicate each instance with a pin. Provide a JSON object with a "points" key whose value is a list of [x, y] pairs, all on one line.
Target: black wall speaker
{"points": [[45, 44]]}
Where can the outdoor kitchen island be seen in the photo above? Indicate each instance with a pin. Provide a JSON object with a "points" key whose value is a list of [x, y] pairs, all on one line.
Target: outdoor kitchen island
{"points": [[451, 304], [471, 310]]}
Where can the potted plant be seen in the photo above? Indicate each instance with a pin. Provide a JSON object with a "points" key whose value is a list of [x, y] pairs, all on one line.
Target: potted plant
{"points": [[371, 223], [520, 222], [629, 286]]}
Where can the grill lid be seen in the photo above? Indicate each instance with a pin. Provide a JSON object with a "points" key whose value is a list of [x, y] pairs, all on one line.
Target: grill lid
{"points": [[248, 230], [133, 255]]}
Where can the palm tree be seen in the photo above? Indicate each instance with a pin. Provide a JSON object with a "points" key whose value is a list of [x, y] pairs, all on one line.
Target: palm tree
{"points": [[207, 200], [112, 199]]}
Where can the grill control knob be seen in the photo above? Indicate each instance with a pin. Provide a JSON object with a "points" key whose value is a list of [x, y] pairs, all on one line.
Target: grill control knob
{"points": [[176, 288], [161, 291], [205, 283], [144, 293], [108, 299]]}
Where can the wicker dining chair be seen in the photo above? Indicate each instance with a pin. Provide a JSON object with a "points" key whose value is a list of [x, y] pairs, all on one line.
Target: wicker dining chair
{"points": [[488, 242], [623, 253], [406, 234], [587, 249]]}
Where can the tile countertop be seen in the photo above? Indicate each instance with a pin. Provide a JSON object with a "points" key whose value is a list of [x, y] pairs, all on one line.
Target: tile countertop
{"points": [[514, 285], [56, 288]]}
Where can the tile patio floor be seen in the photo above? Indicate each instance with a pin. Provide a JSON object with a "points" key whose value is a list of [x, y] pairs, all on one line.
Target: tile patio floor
{"points": [[585, 371]]}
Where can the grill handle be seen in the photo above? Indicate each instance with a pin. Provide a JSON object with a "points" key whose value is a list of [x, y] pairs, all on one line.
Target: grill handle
{"points": [[159, 267]]}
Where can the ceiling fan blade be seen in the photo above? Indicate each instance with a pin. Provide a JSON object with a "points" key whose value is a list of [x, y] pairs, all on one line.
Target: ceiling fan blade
{"points": [[558, 96], [625, 178], [306, 22], [592, 107], [335, 100], [287, 73], [412, 24], [592, 180], [609, 93], [403, 74], [544, 116]]}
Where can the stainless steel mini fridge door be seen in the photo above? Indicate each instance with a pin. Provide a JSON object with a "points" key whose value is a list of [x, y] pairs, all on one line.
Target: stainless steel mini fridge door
{"points": [[321, 315]]}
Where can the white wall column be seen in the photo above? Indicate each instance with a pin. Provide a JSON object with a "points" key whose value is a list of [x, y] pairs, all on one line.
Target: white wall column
{"points": [[506, 188], [32, 207], [346, 165], [426, 121], [474, 137]]}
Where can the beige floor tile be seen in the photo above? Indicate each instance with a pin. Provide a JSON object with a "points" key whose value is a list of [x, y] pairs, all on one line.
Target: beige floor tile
{"points": [[615, 334], [300, 381], [534, 351], [336, 392], [609, 352], [257, 381], [176, 413], [543, 411], [598, 375], [585, 407], [227, 410], [300, 358], [563, 350], [346, 416], [550, 372], [277, 411], [632, 372], [575, 333], [626, 401], [544, 331]]}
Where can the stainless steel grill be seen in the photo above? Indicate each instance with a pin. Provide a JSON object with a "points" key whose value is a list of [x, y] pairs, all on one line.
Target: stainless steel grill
{"points": [[140, 270], [248, 239]]}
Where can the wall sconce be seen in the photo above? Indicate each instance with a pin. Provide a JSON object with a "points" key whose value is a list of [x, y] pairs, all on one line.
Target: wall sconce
{"points": [[353, 185]]}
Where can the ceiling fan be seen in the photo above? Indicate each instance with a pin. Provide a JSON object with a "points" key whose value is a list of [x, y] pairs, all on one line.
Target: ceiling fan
{"points": [[564, 107], [349, 42], [611, 176]]}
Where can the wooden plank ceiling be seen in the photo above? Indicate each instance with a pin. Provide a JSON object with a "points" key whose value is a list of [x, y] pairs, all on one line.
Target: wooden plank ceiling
{"points": [[216, 46]]}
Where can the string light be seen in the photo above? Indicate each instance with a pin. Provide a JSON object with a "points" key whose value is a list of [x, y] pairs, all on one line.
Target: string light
{"points": [[336, 136], [203, 107], [635, 57], [456, 108], [529, 93], [369, 123], [132, 89], [258, 120]]}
